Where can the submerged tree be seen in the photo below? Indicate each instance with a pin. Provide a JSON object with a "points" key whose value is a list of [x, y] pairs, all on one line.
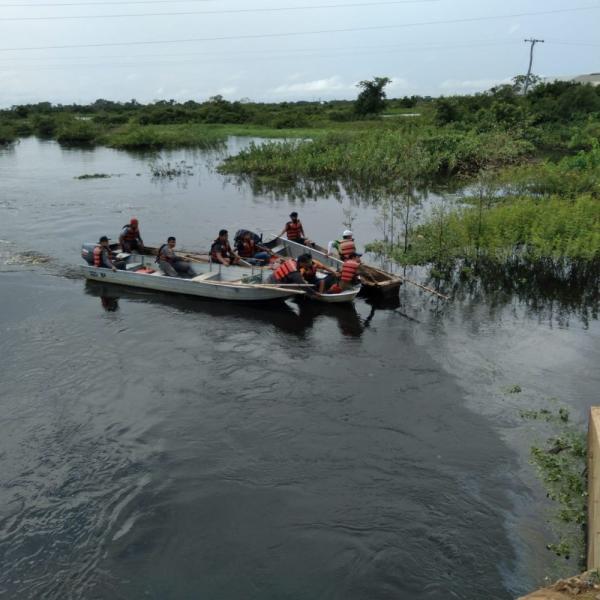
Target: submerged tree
{"points": [[371, 101]]}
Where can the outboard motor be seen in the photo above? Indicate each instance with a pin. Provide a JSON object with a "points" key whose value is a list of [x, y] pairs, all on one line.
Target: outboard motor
{"points": [[239, 234], [87, 253]]}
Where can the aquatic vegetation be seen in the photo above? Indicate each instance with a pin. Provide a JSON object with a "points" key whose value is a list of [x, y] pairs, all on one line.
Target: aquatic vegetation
{"points": [[77, 132], [152, 137], [561, 464], [94, 176], [7, 134], [168, 170]]}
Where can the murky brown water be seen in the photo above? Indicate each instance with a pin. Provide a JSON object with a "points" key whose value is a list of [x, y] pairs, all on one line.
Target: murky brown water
{"points": [[160, 447]]}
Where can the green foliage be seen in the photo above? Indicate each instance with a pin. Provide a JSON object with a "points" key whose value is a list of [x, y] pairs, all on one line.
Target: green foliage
{"points": [[153, 137], [561, 464], [77, 132], [547, 228], [7, 134], [371, 100]]}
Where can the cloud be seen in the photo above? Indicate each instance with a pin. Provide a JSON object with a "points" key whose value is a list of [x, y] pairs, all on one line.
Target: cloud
{"points": [[473, 85], [227, 90], [514, 28], [331, 84]]}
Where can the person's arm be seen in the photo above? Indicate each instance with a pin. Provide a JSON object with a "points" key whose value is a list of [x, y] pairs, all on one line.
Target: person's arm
{"points": [[296, 277], [323, 267], [121, 238], [140, 240], [283, 231], [106, 261], [222, 260]]}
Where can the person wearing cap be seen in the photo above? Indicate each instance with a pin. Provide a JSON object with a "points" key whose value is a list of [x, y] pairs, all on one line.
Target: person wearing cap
{"points": [[221, 252], [344, 247], [171, 264], [295, 231], [130, 238], [102, 256]]}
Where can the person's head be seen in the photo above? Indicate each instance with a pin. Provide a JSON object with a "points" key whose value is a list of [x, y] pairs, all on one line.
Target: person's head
{"points": [[171, 241], [134, 223], [103, 241], [347, 234], [294, 216], [354, 256], [223, 235], [247, 237], [304, 260]]}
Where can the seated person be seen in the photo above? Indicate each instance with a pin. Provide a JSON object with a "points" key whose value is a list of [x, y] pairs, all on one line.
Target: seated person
{"points": [[171, 264], [309, 273], [103, 256], [295, 231], [130, 238], [290, 272], [251, 252], [349, 273], [221, 252]]}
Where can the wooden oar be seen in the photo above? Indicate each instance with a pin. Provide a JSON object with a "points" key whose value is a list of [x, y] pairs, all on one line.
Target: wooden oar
{"points": [[427, 289]]}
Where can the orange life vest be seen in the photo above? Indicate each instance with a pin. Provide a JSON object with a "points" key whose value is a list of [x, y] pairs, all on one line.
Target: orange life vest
{"points": [[292, 230], [349, 271], [98, 256], [346, 248], [247, 249], [289, 266]]}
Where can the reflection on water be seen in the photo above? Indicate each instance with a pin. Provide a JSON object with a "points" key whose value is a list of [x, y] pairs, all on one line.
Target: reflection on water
{"points": [[159, 446]]}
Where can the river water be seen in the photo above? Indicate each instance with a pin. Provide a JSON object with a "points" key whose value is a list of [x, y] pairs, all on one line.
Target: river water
{"points": [[159, 447]]}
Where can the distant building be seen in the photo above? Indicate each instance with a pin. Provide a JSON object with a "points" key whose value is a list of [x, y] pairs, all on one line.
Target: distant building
{"points": [[593, 78]]}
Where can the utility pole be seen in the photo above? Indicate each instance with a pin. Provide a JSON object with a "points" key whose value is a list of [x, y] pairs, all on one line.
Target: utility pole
{"points": [[533, 42]]}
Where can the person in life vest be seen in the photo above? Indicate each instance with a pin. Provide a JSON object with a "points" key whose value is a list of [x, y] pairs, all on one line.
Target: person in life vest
{"points": [[171, 264], [130, 237], [103, 258], [349, 273], [309, 273], [290, 271], [295, 231], [344, 247], [250, 251], [221, 252]]}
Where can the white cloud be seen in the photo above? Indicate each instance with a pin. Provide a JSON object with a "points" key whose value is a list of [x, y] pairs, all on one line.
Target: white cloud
{"points": [[514, 28], [227, 90], [331, 84]]}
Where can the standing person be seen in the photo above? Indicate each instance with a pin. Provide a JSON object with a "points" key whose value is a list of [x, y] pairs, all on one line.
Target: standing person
{"points": [[309, 272], [131, 238], [295, 231], [171, 264], [250, 251], [102, 256], [349, 274], [344, 247], [221, 252]]}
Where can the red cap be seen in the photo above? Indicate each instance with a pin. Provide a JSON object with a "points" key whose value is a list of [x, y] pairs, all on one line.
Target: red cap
{"points": [[133, 221]]}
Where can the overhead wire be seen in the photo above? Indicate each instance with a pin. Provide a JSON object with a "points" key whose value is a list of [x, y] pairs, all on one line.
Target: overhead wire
{"points": [[230, 11], [302, 33]]}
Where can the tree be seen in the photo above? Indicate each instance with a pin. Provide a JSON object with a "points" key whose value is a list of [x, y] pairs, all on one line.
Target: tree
{"points": [[371, 100]]}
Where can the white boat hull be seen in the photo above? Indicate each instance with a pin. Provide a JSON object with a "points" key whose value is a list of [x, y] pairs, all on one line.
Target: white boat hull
{"points": [[205, 289]]}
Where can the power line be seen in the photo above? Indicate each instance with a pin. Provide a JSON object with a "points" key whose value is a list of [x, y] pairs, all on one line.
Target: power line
{"points": [[348, 51], [300, 33], [221, 11], [313, 50]]}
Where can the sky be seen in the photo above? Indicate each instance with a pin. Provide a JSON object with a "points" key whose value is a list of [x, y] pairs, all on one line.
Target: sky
{"points": [[67, 51]]}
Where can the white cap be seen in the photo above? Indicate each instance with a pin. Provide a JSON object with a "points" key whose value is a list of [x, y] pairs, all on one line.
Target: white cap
{"points": [[346, 233]]}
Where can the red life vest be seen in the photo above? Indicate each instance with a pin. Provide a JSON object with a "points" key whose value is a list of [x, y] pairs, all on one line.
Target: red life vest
{"points": [[349, 271], [223, 247], [346, 247], [160, 256], [292, 230], [289, 266], [98, 256], [247, 249], [130, 234]]}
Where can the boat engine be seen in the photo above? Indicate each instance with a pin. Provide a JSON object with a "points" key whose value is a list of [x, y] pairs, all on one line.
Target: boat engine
{"points": [[87, 253]]}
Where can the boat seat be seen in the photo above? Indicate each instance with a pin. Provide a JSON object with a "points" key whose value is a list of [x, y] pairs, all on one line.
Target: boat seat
{"points": [[278, 249], [204, 276], [133, 266]]}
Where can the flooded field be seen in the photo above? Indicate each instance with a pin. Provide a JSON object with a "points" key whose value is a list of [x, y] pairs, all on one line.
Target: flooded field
{"points": [[159, 447]]}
